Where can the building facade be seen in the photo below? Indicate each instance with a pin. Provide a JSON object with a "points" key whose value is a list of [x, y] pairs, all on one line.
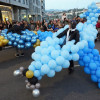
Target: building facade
{"points": [[21, 10], [98, 4]]}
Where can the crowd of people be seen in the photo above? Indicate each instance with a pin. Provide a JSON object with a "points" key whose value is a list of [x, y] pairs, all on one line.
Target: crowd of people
{"points": [[52, 25]]}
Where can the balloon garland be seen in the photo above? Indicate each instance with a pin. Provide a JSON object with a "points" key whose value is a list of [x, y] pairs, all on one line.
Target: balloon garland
{"points": [[50, 58], [27, 38]]}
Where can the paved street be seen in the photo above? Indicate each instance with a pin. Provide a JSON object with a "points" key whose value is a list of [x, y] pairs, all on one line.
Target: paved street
{"points": [[77, 86]]}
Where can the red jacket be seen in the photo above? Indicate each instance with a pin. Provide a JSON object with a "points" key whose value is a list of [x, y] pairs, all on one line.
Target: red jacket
{"points": [[98, 25]]}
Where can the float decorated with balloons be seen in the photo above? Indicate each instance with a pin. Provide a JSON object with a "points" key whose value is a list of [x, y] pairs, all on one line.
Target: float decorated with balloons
{"points": [[27, 39], [50, 58]]}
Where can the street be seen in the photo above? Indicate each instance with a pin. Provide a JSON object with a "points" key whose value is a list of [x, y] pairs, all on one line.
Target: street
{"points": [[77, 86]]}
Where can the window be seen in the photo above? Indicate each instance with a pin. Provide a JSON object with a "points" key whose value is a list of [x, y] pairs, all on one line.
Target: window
{"points": [[27, 2], [23, 1], [19, 0]]}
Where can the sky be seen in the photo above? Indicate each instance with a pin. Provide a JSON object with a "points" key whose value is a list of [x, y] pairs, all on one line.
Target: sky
{"points": [[68, 4]]}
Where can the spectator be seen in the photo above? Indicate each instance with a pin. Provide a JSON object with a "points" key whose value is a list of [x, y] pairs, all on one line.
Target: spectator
{"points": [[43, 22], [8, 25], [32, 25], [1, 26], [64, 16], [98, 28]]}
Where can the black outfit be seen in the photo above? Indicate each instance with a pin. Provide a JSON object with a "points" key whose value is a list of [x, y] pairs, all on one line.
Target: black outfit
{"points": [[8, 26], [15, 29], [44, 28], [74, 35]]}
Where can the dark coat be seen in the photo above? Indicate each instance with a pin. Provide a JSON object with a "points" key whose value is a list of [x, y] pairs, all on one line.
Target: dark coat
{"points": [[74, 35]]}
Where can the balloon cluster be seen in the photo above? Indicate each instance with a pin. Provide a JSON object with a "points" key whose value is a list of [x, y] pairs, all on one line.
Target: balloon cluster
{"points": [[90, 58], [3, 41], [50, 58], [44, 35], [26, 40]]}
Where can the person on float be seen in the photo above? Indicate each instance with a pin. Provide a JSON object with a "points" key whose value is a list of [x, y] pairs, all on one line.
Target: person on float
{"points": [[71, 33]]}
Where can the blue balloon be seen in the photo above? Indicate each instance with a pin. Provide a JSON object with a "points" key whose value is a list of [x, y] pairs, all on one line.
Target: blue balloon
{"points": [[94, 78], [21, 42], [32, 68], [98, 73], [28, 39], [95, 52], [66, 64], [86, 59], [38, 65], [33, 41], [45, 59], [55, 54], [15, 44], [37, 73], [60, 60], [87, 70], [58, 68], [93, 66], [52, 64], [51, 73], [45, 69], [75, 57], [28, 44], [10, 43]]}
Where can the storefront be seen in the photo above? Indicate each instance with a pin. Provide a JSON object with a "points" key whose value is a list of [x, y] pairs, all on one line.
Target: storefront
{"points": [[5, 13]]}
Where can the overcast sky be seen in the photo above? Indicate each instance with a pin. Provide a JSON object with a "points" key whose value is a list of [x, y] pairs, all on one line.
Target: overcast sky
{"points": [[68, 4]]}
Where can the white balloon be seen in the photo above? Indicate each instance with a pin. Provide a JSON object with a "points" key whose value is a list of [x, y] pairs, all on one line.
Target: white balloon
{"points": [[36, 92], [17, 73], [38, 85]]}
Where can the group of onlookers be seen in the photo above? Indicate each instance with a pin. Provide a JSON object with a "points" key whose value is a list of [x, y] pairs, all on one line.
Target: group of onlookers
{"points": [[52, 25]]}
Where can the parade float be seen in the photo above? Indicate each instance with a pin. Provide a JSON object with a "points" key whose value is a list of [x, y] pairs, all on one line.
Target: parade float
{"points": [[26, 39], [50, 58]]}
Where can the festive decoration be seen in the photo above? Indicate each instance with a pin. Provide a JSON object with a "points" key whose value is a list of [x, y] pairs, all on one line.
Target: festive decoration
{"points": [[50, 58], [3, 41]]}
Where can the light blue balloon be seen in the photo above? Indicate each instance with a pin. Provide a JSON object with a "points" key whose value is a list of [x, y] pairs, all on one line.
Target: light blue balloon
{"points": [[60, 60], [75, 57], [45, 59], [38, 49], [66, 64], [45, 69], [58, 68], [44, 51], [65, 54], [74, 49], [32, 68], [51, 73], [44, 44], [55, 54], [52, 64], [38, 65], [37, 73]]}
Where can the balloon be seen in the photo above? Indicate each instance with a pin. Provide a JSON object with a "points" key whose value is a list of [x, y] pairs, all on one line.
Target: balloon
{"points": [[45, 69], [29, 74], [51, 73], [60, 60], [52, 64], [35, 92]]}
